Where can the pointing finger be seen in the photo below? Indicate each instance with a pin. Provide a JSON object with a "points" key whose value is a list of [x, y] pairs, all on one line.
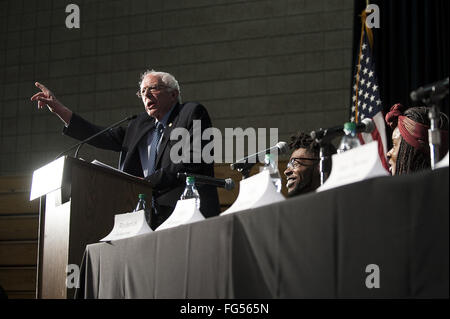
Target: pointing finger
{"points": [[42, 87], [39, 94]]}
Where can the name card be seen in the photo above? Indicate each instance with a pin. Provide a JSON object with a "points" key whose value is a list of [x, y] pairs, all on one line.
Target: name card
{"points": [[128, 225], [443, 162], [355, 165], [185, 212], [255, 191]]}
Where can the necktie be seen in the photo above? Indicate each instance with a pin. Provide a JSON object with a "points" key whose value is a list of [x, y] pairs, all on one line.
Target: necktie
{"points": [[154, 147]]}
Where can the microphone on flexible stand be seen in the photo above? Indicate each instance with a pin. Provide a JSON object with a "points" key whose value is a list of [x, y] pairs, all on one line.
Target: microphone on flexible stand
{"points": [[439, 88], [432, 95], [324, 136], [245, 164], [366, 126], [78, 145], [227, 183]]}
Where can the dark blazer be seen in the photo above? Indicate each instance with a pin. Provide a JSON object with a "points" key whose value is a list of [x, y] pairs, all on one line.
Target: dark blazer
{"points": [[167, 189]]}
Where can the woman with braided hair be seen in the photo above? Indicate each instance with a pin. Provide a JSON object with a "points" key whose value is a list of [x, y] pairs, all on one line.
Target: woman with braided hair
{"points": [[410, 151]]}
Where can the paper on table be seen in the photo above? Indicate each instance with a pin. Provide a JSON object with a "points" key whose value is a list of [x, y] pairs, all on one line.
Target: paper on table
{"points": [[185, 212], [443, 162], [128, 225], [355, 165], [255, 191]]}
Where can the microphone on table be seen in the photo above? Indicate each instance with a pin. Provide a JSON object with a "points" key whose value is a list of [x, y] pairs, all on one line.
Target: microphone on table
{"points": [[366, 126], [227, 183], [78, 145], [280, 148], [424, 92]]}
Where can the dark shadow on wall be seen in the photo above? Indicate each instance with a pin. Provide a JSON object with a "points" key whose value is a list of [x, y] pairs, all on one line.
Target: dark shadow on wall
{"points": [[411, 47]]}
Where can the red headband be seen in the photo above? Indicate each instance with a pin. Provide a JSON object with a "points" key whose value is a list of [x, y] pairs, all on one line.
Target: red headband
{"points": [[414, 133]]}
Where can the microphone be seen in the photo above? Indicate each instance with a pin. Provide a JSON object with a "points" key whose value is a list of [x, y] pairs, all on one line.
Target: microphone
{"points": [[424, 92], [280, 147], [78, 145], [227, 183], [366, 126]]}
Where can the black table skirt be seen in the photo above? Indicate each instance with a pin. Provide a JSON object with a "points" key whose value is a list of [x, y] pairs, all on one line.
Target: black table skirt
{"points": [[313, 246]]}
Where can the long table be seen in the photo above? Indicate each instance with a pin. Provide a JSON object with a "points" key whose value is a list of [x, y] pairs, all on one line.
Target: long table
{"points": [[381, 238]]}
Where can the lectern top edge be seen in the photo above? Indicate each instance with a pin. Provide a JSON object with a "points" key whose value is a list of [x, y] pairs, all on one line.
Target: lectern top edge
{"points": [[50, 176]]}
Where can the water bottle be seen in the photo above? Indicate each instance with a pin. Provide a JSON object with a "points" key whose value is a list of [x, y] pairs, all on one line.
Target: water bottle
{"points": [[191, 191], [271, 165], [350, 140], [142, 205]]}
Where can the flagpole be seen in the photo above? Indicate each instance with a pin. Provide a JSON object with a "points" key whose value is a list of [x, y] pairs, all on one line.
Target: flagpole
{"points": [[363, 21]]}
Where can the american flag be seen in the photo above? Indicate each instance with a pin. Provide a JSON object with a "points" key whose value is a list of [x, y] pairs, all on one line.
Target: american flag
{"points": [[366, 102]]}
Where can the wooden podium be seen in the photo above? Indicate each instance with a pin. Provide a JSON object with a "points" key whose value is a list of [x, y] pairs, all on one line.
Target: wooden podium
{"points": [[78, 201]]}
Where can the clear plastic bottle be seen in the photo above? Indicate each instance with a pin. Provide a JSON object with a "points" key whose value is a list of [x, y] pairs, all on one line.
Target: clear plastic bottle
{"points": [[191, 191], [142, 205], [349, 140], [271, 165]]}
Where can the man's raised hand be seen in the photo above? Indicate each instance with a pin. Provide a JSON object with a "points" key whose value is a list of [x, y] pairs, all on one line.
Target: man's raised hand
{"points": [[47, 98]]}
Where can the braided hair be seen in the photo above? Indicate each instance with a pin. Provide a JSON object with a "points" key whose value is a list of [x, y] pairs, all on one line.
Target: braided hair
{"points": [[410, 159]]}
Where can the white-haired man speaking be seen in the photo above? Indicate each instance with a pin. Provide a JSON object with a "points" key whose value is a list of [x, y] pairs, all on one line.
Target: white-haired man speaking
{"points": [[144, 145]]}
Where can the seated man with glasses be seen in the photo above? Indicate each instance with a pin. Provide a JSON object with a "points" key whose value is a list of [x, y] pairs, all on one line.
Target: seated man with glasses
{"points": [[303, 172], [145, 145]]}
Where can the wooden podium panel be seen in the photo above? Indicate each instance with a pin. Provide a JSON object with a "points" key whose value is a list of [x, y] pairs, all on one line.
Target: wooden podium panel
{"points": [[78, 204]]}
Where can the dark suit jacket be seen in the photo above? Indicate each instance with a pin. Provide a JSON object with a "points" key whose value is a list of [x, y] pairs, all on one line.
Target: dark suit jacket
{"points": [[167, 188]]}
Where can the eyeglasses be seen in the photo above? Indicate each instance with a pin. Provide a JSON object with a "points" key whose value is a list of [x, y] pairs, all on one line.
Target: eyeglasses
{"points": [[296, 162], [152, 89]]}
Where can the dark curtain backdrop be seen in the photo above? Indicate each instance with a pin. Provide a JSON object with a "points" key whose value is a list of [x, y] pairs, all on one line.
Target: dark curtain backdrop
{"points": [[411, 47]]}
